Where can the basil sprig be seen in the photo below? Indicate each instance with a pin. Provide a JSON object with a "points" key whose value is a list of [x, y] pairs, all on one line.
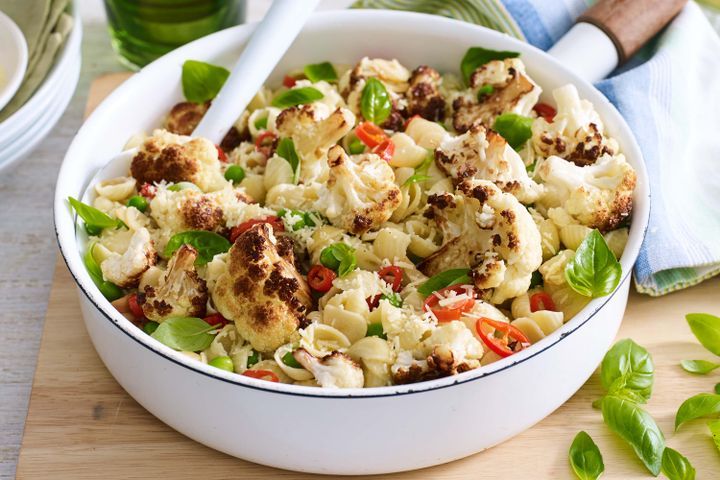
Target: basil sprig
{"points": [[514, 128], [699, 367], [296, 96], [202, 81], [706, 328], [455, 276], [185, 333], [421, 171], [634, 425], [286, 150], [698, 406], [675, 466], [108, 289], [339, 257], [627, 370], [477, 56], [585, 457], [316, 72], [594, 271], [375, 104], [207, 244], [95, 220], [714, 426]]}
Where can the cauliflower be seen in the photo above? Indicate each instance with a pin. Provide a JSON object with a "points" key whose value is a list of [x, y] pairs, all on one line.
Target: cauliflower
{"points": [[513, 92], [336, 370], [597, 196], [260, 289], [482, 153], [576, 133], [489, 231], [125, 270], [185, 116], [176, 158], [314, 129], [180, 292], [424, 97], [361, 192]]}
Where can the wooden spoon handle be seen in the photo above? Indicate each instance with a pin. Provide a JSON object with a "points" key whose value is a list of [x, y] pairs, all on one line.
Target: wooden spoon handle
{"points": [[631, 23]]}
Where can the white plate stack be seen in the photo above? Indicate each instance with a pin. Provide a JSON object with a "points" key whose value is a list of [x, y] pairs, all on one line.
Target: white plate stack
{"points": [[29, 125]]}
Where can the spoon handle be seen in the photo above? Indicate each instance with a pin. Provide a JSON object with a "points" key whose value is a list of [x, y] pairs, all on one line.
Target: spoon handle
{"points": [[269, 42]]}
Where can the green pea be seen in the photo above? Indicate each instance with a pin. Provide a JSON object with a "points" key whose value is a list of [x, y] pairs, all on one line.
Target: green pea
{"points": [[328, 259], [356, 147], [93, 229], [253, 359], [376, 330], [289, 360], [223, 363], [235, 174], [484, 91], [150, 327], [183, 186], [139, 202], [110, 290]]}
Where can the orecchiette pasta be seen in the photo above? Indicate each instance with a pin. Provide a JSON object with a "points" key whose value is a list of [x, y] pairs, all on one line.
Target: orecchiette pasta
{"points": [[538, 325], [572, 235], [321, 340], [116, 189]]}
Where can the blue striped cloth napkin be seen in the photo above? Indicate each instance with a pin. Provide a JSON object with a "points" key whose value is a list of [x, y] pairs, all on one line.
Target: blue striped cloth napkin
{"points": [[668, 96]]}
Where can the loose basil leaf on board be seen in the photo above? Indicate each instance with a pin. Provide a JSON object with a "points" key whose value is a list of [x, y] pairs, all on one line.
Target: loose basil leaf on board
{"points": [[375, 104], [95, 220], [108, 289], [634, 425], [286, 150], [316, 72], [514, 128], [296, 96], [477, 56], [202, 81], [706, 328], [627, 370], [675, 466], [699, 367], [714, 426], [700, 405], [444, 279], [339, 257], [585, 457], [594, 271], [207, 244], [188, 334]]}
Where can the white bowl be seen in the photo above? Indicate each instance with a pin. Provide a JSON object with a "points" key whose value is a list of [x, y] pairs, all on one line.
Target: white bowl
{"points": [[13, 58], [356, 431]]}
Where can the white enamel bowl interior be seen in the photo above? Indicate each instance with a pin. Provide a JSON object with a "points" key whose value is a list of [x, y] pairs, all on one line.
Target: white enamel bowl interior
{"points": [[481, 407]]}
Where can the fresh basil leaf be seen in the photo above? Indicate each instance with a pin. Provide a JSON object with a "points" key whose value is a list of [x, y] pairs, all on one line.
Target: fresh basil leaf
{"points": [[717, 388], [444, 279], [207, 244], [296, 96], [376, 330], [289, 360], [108, 289], [514, 128], [594, 271], [394, 299], [286, 150], [421, 171], [699, 367], [700, 405], [634, 425], [706, 329], [585, 457], [261, 123], [347, 265], [477, 56], [316, 72], [675, 466], [375, 104], [188, 334], [339, 257], [301, 219], [714, 426], [202, 81], [627, 371], [484, 91], [95, 220], [536, 280]]}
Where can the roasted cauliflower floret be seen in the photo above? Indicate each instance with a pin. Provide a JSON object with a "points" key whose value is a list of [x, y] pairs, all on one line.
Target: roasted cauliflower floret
{"points": [[597, 196], [512, 92], [484, 154], [185, 116], [491, 232], [180, 291], [260, 289], [361, 191], [336, 370], [176, 158], [576, 133], [423, 95], [125, 270]]}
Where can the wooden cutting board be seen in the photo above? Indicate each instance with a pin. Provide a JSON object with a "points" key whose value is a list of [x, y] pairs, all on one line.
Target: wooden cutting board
{"points": [[82, 425]]}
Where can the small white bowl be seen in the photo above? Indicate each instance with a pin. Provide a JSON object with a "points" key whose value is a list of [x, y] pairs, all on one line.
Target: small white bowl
{"points": [[13, 58]]}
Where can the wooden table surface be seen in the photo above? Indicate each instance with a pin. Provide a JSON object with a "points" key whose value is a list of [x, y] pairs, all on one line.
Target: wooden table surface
{"points": [[82, 425]]}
